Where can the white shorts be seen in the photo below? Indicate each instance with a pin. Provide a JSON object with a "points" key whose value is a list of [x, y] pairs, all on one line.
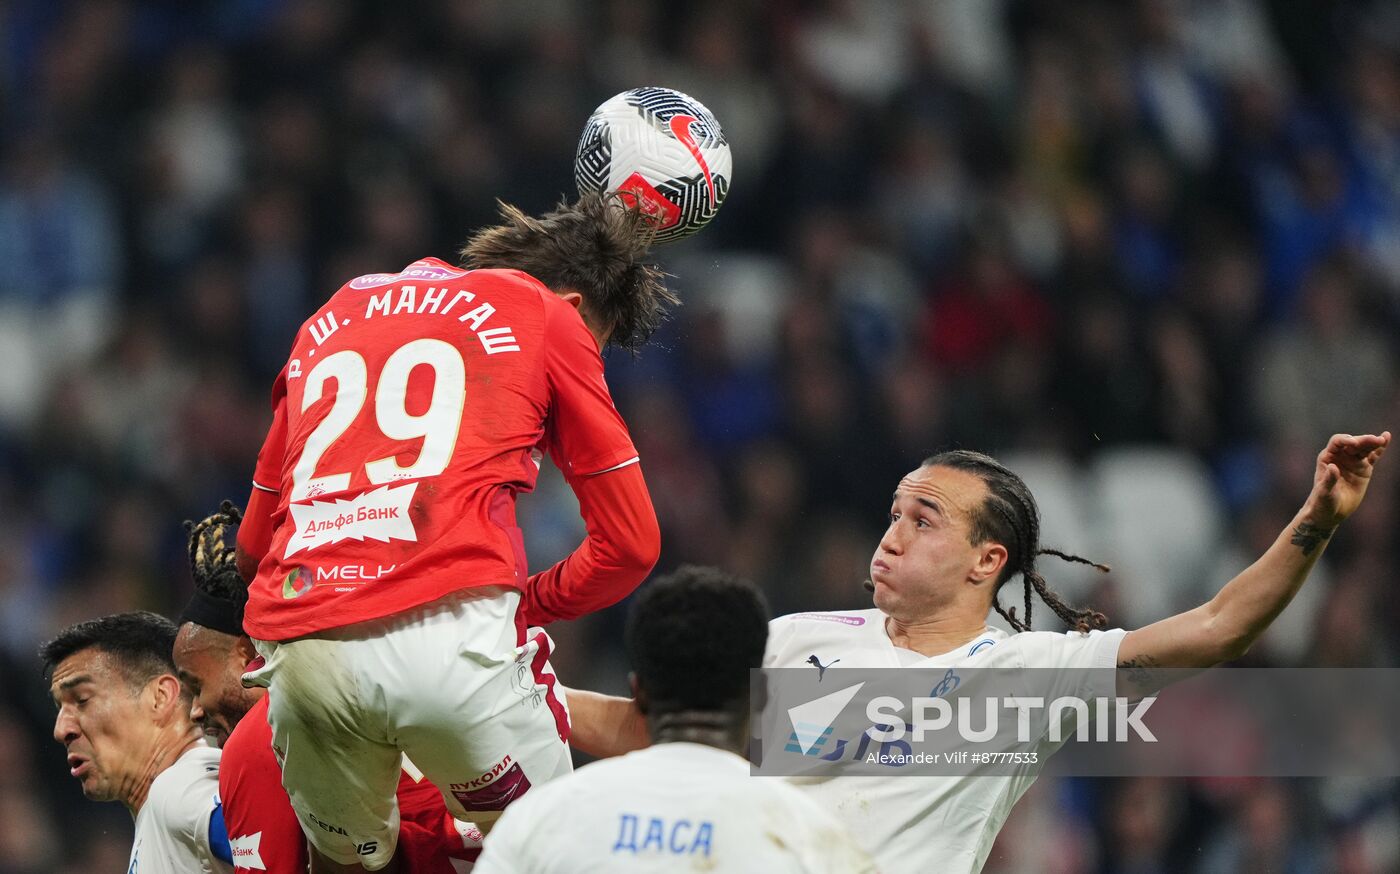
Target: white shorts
{"points": [[448, 684]]}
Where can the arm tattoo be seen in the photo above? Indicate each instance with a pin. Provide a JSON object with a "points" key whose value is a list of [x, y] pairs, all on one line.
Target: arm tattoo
{"points": [[1309, 537], [1141, 670]]}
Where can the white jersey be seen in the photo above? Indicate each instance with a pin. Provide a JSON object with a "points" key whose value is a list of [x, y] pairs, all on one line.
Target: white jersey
{"points": [[172, 827], [946, 823], [669, 808]]}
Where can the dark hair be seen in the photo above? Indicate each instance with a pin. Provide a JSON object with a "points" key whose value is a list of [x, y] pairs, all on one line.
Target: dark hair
{"points": [[1009, 516], [212, 563], [692, 637], [595, 245], [141, 642]]}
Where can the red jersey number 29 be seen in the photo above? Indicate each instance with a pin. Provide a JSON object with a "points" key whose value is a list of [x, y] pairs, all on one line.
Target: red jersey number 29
{"points": [[437, 427]]}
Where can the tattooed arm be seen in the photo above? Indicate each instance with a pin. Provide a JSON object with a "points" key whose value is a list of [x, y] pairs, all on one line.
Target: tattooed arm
{"points": [[1224, 628]]}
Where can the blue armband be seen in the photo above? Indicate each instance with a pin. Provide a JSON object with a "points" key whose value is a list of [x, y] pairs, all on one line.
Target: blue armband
{"points": [[218, 836]]}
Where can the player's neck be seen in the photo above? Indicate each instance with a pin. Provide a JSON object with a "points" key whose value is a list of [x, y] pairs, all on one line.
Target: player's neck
{"points": [[167, 749], [721, 730], [934, 635]]}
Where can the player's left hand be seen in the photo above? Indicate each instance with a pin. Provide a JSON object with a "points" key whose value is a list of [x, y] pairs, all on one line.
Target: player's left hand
{"points": [[1343, 474]]}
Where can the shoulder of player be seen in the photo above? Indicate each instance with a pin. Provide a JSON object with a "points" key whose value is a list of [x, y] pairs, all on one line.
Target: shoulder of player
{"points": [[1056, 638], [791, 638], [815, 828], [186, 790], [596, 781], [1037, 646], [537, 805], [248, 750], [194, 765], [500, 282], [795, 801], [826, 624], [503, 283], [507, 280], [851, 619]]}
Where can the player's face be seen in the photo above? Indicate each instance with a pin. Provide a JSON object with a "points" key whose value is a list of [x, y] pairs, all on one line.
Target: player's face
{"points": [[210, 666], [926, 558], [100, 723]]}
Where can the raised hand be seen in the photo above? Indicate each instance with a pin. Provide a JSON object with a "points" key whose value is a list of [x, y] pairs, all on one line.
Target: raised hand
{"points": [[1343, 474]]}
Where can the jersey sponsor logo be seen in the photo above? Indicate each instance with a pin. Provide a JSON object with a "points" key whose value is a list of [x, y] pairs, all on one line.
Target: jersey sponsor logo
{"points": [[493, 790], [381, 514], [297, 583], [246, 852], [680, 129], [496, 770], [326, 826], [417, 270], [353, 573], [831, 617], [821, 668]]}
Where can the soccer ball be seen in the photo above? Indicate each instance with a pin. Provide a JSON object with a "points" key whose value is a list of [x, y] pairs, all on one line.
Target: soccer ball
{"points": [[660, 149]]}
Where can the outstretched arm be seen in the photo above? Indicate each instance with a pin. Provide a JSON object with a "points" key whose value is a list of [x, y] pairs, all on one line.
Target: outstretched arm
{"points": [[1224, 628], [604, 725]]}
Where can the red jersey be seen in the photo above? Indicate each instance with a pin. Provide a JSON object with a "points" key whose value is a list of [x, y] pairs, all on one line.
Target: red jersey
{"points": [[404, 425], [263, 831]]}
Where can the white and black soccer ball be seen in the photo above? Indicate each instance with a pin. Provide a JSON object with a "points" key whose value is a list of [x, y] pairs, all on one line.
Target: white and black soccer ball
{"points": [[659, 148]]}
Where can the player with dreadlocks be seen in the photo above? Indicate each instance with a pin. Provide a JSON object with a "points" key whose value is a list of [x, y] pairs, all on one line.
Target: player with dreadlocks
{"points": [[210, 654], [961, 527], [1008, 515]]}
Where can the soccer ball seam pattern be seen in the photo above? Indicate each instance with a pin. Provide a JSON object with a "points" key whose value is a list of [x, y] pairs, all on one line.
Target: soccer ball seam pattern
{"points": [[662, 148]]}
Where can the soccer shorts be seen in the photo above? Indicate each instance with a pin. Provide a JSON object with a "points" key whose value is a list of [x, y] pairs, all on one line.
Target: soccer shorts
{"points": [[448, 684]]}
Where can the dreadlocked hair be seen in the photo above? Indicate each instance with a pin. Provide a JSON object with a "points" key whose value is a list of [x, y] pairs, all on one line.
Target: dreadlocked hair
{"points": [[212, 558], [595, 245], [1009, 516]]}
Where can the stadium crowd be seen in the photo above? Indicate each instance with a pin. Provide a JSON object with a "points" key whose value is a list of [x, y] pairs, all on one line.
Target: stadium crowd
{"points": [[1148, 250]]}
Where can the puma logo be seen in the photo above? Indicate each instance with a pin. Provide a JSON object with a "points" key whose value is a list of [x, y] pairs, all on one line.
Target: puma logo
{"points": [[821, 668]]}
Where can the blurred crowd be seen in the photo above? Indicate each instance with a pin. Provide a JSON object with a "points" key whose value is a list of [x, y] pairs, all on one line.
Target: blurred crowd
{"points": [[1148, 251]]}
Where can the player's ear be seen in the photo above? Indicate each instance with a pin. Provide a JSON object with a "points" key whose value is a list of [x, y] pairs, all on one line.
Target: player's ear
{"points": [[990, 560], [243, 651], [573, 299], [164, 696]]}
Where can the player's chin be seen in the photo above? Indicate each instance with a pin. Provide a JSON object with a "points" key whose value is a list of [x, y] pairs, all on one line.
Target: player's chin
{"points": [[880, 591], [216, 735], [96, 789]]}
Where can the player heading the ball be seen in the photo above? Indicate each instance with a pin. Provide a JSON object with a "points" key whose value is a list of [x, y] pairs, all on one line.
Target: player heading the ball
{"points": [[391, 592]]}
